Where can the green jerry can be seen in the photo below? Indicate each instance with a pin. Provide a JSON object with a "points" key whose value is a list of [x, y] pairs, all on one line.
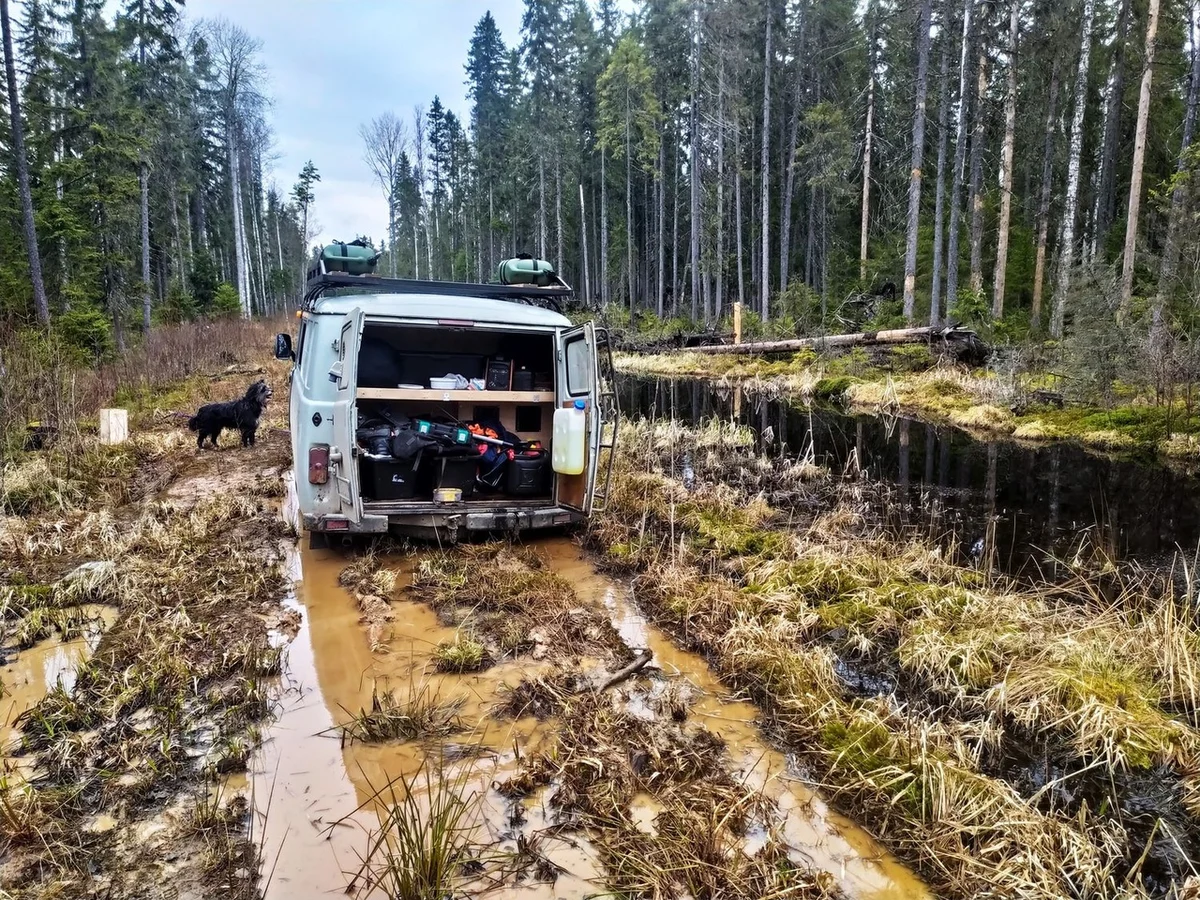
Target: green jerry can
{"points": [[526, 270], [355, 258]]}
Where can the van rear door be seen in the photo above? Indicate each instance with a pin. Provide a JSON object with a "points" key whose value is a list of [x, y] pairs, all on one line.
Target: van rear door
{"points": [[579, 379], [344, 374]]}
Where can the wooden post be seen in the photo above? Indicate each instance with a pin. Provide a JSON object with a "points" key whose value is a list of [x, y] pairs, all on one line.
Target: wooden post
{"points": [[737, 322], [114, 426]]}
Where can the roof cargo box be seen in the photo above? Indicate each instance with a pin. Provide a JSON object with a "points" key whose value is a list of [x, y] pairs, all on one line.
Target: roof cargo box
{"points": [[355, 258]]}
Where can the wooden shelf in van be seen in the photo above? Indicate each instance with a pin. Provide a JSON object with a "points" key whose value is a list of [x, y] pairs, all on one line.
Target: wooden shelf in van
{"points": [[478, 397]]}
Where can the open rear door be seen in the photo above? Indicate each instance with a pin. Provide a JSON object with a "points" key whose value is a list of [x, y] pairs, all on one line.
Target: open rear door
{"points": [[578, 378], [344, 374]]}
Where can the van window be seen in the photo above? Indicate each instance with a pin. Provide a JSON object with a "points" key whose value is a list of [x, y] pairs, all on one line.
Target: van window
{"points": [[343, 342], [579, 367]]}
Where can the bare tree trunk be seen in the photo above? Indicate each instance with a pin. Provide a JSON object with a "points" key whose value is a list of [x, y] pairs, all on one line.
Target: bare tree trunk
{"points": [[583, 240], [1106, 193], [629, 203], [737, 210], [977, 176], [720, 254], [789, 181], [144, 186], [1139, 161], [558, 222], [694, 158], [604, 296], [765, 280], [661, 185], [1170, 256], [960, 155], [918, 159], [1066, 260], [939, 212], [239, 240], [868, 145], [40, 304], [1043, 214], [1006, 164], [180, 261], [541, 205]]}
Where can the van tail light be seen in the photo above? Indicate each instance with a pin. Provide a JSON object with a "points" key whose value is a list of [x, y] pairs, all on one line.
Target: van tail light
{"points": [[318, 464], [335, 524]]}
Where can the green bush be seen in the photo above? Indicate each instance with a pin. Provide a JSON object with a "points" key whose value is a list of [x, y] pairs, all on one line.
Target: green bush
{"points": [[178, 306], [86, 329], [226, 303]]}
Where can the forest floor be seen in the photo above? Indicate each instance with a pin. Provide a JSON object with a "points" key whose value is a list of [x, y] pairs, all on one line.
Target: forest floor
{"points": [[141, 617], [1007, 740], [907, 380]]}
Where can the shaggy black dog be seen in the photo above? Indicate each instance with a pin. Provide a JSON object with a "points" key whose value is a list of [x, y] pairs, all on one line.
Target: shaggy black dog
{"points": [[240, 414]]}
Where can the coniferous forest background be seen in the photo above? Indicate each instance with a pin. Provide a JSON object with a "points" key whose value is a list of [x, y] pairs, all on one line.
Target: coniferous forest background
{"points": [[1025, 165]]}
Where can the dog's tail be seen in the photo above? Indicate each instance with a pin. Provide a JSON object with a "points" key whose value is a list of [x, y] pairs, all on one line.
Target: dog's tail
{"points": [[194, 423]]}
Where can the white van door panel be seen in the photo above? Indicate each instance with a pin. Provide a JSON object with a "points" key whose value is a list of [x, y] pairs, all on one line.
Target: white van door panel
{"points": [[344, 373], [579, 379]]}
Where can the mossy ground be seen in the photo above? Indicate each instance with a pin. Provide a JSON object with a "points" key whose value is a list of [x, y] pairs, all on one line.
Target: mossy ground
{"points": [[910, 685]]}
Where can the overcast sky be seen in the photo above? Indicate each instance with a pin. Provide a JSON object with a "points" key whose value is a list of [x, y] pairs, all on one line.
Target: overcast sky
{"points": [[335, 65]]}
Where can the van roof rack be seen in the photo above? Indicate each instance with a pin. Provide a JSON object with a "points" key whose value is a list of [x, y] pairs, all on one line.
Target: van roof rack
{"points": [[320, 282]]}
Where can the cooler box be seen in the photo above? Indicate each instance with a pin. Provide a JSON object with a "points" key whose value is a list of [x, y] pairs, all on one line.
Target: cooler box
{"points": [[390, 479]]}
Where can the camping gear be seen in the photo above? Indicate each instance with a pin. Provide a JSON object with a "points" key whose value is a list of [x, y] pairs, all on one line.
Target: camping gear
{"points": [[391, 479], [499, 375], [525, 269], [457, 473], [522, 380], [355, 258], [569, 447], [528, 473], [447, 435]]}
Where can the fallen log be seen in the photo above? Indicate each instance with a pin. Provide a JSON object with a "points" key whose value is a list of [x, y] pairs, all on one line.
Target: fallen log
{"points": [[629, 671], [926, 334]]}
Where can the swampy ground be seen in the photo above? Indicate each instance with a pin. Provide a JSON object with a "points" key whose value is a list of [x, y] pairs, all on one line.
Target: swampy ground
{"points": [[910, 380], [737, 682]]}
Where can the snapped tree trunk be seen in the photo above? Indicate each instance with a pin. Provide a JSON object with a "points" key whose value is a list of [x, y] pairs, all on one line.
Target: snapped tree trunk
{"points": [[960, 155], [21, 162], [764, 273], [918, 159], [1139, 161], [939, 212], [1170, 256], [1066, 258], [1006, 164], [737, 213], [1043, 214]]}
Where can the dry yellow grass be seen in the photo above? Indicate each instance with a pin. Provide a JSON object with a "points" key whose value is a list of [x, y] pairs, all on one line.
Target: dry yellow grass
{"points": [[984, 417], [1037, 430]]}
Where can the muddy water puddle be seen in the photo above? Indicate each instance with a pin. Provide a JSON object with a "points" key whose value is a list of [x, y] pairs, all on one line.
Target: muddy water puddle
{"points": [[28, 675], [320, 799]]}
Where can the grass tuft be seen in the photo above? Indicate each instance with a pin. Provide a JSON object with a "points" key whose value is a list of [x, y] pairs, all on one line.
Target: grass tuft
{"points": [[420, 714]]}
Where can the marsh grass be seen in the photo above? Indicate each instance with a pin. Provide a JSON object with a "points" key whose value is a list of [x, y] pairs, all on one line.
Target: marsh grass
{"points": [[979, 668], [424, 838], [463, 654], [420, 713]]}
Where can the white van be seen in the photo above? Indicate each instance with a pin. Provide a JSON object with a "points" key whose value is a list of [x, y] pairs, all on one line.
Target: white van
{"points": [[428, 408]]}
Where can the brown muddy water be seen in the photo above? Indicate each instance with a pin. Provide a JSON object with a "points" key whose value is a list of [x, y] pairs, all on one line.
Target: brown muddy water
{"points": [[316, 798]]}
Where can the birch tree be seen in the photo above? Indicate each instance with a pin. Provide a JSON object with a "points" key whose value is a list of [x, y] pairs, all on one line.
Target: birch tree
{"points": [[918, 156], [1074, 154], [868, 144], [764, 272], [960, 153], [1043, 211], [939, 214], [385, 145]]}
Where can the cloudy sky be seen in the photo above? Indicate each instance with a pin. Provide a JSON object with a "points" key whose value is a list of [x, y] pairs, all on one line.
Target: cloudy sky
{"points": [[335, 65]]}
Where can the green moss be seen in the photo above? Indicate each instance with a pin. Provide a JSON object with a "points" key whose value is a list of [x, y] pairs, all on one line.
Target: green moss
{"points": [[909, 358], [832, 390]]}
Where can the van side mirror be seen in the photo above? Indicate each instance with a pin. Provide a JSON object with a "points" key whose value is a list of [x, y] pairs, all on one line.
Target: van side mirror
{"points": [[283, 346]]}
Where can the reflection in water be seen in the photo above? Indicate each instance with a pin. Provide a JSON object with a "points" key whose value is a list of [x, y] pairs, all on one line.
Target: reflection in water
{"points": [[1020, 505], [308, 783]]}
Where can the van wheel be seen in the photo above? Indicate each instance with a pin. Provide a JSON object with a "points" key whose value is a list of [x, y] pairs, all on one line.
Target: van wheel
{"points": [[318, 540]]}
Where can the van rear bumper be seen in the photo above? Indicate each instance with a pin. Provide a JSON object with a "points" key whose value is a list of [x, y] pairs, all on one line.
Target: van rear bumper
{"points": [[453, 519]]}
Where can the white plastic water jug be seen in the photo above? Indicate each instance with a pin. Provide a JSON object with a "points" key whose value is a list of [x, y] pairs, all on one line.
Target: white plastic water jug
{"points": [[568, 450]]}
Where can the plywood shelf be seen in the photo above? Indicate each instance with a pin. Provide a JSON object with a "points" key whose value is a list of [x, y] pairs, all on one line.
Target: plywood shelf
{"points": [[478, 397]]}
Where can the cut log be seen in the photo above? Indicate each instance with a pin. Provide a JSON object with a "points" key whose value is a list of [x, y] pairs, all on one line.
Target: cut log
{"points": [[922, 335]]}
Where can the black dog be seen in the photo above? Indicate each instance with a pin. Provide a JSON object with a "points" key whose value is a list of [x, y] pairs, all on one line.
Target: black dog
{"points": [[240, 414]]}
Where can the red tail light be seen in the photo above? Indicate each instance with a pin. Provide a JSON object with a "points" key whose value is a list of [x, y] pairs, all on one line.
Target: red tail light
{"points": [[318, 464]]}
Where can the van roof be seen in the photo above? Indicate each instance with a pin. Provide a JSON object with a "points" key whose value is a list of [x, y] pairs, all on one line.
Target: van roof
{"points": [[433, 306]]}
